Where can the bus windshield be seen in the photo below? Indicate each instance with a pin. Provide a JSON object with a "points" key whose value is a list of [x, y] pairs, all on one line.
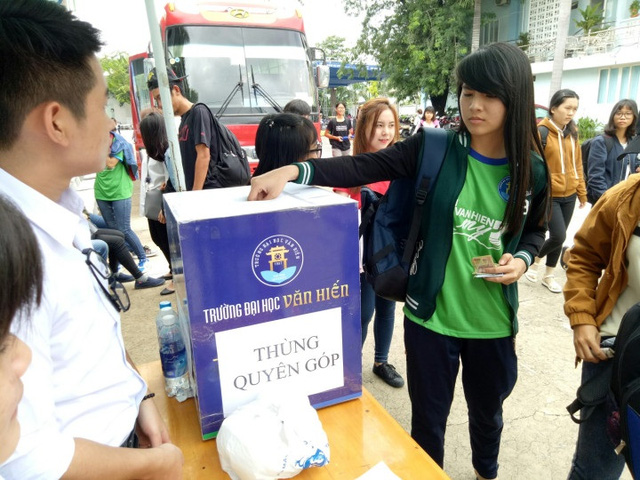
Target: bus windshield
{"points": [[223, 64]]}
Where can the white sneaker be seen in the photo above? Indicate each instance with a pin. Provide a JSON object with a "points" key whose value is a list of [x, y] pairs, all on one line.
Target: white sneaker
{"points": [[532, 273], [549, 281]]}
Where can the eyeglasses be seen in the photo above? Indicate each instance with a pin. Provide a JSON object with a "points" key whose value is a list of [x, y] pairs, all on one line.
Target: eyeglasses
{"points": [[317, 152], [118, 296], [624, 114]]}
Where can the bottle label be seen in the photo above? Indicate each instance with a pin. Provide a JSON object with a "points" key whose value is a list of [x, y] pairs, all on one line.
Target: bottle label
{"points": [[174, 360]]}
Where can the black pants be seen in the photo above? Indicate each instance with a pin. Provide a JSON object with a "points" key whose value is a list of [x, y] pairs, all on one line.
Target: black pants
{"points": [[160, 237], [118, 251], [132, 441], [489, 372], [561, 213]]}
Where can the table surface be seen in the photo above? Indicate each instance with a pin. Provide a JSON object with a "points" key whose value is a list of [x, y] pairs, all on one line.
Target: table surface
{"points": [[361, 434]]}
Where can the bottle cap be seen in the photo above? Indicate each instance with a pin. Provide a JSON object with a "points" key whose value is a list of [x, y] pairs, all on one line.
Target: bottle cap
{"points": [[165, 304], [168, 320]]}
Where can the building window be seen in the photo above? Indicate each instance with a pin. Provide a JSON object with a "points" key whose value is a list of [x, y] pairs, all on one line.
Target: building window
{"points": [[489, 32], [618, 83]]}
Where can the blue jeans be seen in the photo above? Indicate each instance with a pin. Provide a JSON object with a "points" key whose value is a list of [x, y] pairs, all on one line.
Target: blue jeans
{"points": [[595, 456], [383, 322], [101, 248], [117, 215], [489, 373]]}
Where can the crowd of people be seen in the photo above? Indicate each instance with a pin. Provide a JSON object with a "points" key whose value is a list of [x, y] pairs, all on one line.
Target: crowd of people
{"points": [[523, 179]]}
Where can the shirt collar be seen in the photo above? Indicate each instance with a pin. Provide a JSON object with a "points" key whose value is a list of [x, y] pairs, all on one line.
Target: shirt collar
{"points": [[59, 220]]}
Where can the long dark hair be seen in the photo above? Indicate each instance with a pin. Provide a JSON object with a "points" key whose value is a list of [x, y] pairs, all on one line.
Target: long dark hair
{"points": [[558, 99], [503, 70], [154, 136], [610, 129], [281, 139], [21, 270]]}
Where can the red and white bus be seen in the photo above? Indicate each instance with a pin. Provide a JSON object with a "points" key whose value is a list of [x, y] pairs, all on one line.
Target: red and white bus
{"points": [[244, 60]]}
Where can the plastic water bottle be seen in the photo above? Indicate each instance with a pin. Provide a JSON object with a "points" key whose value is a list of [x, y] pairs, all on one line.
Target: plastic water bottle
{"points": [[173, 356], [165, 308]]}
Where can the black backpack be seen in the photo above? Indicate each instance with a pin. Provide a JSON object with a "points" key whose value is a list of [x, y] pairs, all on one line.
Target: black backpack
{"points": [[618, 387], [231, 168], [390, 224]]}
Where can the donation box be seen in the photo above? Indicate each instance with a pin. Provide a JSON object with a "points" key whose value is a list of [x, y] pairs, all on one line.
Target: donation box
{"points": [[268, 295]]}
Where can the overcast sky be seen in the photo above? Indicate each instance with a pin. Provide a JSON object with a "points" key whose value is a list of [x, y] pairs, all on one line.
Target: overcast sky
{"points": [[124, 24]]}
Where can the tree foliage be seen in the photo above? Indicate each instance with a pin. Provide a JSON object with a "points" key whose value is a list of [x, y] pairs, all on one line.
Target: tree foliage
{"points": [[116, 68], [417, 43]]}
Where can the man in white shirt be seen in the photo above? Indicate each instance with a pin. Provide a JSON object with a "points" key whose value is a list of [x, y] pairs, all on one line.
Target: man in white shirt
{"points": [[82, 396]]}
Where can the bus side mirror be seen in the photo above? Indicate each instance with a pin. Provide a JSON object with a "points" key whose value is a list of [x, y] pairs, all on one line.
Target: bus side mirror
{"points": [[322, 76]]}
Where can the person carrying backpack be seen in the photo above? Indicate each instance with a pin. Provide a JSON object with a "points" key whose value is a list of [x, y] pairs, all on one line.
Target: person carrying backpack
{"points": [[605, 170], [564, 160], [211, 155], [595, 303], [487, 204]]}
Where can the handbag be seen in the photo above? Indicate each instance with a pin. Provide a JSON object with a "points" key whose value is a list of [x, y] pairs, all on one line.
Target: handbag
{"points": [[153, 204]]}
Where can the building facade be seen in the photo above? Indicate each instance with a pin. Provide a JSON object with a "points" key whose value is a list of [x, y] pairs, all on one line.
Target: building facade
{"points": [[602, 65]]}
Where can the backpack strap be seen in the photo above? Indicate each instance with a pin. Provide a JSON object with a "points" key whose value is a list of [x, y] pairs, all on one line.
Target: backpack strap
{"points": [[591, 394], [608, 141], [368, 200], [544, 133], [434, 149], [220, 138]]}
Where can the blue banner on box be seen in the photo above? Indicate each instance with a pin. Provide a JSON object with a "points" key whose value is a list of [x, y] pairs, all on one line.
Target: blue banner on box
{"points": [[268, 295]]}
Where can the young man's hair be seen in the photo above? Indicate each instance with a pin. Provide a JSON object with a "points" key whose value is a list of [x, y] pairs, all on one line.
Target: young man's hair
{"points": [[297, 106], [282, 139], [44, 56], [558, 99], [368, 116], [503, 70], [20, 265], [154, 136], [610, 128]]}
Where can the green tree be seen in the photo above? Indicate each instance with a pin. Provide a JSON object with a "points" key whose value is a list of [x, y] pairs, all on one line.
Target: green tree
{"points": [[591, 18], [116, 68], [417, 43]]}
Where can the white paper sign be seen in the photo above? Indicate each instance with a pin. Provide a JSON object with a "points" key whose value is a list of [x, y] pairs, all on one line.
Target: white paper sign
{"points": [[302, 352]]}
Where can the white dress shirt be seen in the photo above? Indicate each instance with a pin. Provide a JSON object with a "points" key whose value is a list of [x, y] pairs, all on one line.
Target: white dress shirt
{"points": [[79, 383]]}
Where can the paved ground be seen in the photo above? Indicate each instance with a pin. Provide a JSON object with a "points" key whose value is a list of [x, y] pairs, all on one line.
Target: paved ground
{"points": [[538, 438]]}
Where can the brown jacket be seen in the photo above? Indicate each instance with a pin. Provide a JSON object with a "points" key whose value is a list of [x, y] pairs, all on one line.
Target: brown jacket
{"points": [[564, 160], [601, 244]]}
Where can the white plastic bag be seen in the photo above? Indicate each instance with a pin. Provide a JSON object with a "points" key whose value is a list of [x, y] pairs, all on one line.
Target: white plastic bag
{"points": [[275, 436]]}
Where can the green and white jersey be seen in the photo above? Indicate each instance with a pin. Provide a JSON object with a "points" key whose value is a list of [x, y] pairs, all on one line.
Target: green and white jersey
{"points": [[468, 307]]}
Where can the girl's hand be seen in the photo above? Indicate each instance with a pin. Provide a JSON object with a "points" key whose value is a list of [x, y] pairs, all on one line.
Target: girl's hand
{"points": [[586, 341], [512, 268], [161, 218], [271, 184], [111, 162], [582, 204]]}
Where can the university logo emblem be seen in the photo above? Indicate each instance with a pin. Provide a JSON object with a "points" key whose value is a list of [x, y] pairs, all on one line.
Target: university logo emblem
{"points": [[504, 188], [277, 260]]}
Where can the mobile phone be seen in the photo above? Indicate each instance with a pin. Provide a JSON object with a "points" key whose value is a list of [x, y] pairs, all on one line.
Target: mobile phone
{"points": [[487, 275]]}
